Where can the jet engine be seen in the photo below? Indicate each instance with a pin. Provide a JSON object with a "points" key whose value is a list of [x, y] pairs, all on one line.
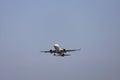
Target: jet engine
{"points": [[51, 51], [64, 50]]}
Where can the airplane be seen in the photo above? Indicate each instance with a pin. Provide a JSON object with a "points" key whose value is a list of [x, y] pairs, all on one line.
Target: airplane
{"points": [[59, 51]]}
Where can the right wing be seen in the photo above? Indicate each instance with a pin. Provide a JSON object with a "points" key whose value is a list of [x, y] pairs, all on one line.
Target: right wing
{"points": [[45, 51], [50, 51]]}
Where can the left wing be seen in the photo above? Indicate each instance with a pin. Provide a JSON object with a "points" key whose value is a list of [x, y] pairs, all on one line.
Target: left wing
{"points": [[73, 50]]}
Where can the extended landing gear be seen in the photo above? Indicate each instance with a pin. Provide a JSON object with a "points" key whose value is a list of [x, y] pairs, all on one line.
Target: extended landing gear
{"points": [[54, 54], [63, 55]]}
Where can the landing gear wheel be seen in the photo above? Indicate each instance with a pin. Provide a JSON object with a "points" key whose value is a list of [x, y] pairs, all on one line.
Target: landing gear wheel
{"points": [[54, 54], [63, 55]]}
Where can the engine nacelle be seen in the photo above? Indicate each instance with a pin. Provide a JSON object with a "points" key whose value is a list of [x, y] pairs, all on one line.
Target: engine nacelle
{"points": [[64, 50], [51, 51]]}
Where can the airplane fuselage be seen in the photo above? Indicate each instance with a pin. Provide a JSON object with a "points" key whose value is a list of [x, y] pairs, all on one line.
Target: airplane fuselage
{"points": [[57, 49]]}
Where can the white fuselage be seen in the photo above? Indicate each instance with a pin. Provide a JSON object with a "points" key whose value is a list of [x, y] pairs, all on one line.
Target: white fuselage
{"points": [[57, 48]]}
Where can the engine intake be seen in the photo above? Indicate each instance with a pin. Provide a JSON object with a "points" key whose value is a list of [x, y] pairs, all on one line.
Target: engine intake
{"points": [[51, 51], [64, 50]]}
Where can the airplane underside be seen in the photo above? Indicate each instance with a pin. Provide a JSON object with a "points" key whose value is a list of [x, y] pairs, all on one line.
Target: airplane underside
{"points": [[61, 54]]}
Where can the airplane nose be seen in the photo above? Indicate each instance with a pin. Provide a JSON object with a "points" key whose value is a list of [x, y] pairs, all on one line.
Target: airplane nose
{"points": [[56, 45]]}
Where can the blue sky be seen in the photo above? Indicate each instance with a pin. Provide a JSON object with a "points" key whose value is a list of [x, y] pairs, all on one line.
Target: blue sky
{"points": [[28, 26]]}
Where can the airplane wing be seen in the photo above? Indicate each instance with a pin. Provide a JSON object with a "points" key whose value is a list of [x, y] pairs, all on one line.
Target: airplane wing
{"points": [[72, 50], [50, 51], [45, 51]]}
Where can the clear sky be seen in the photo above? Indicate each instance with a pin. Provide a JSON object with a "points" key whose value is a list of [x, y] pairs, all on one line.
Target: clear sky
{"points": [[28, 26]]}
